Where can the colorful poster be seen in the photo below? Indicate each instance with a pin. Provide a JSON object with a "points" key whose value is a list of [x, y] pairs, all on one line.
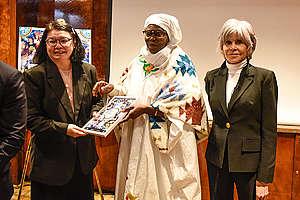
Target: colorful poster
{"points": [[29, 40], [109, 116]]}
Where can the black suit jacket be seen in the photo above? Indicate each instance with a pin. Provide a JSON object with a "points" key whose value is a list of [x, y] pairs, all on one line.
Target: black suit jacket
{"points": [[248, 125], [13, 110], [49, 112]]}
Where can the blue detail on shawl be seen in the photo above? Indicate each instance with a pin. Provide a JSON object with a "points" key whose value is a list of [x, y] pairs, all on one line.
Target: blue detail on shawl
{"points": [[185, 66], [171, 91], [155, 120]]}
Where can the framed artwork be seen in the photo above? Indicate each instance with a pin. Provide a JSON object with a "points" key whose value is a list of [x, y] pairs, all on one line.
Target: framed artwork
{"points": [[29, 40], [109, 116]]}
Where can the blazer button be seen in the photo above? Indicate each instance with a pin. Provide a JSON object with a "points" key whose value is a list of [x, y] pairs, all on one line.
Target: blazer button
{"points": [[227, 125]]}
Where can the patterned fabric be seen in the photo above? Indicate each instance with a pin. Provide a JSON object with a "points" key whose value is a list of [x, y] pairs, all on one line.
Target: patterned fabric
{"points": [[179, 97], [148, 67]]}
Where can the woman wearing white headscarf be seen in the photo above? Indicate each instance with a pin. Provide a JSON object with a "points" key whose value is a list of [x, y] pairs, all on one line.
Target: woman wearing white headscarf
{"points": [[158, 153]]}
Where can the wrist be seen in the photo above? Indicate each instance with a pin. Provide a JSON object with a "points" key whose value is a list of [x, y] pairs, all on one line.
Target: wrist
{"points": [[150, 110]]}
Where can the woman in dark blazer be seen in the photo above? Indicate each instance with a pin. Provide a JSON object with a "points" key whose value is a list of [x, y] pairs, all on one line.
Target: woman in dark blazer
{"points": [[60, 101], [243, 99]]}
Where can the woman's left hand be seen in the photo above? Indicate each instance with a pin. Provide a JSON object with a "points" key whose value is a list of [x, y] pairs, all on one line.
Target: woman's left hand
{"points": [[135, 111], [262, 191]]}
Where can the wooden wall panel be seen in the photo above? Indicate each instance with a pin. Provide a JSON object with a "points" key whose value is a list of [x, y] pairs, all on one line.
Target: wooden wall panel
{"points": [[108, 150], [77, 12], [45, 12], [101, 40], [12, 23], [203, 170], [281, 187], [5, 32], [296, 172], [28, 12]]}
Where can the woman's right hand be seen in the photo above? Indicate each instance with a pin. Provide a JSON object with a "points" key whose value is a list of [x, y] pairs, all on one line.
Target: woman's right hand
{"points": [[102, 87], [75, 131]]}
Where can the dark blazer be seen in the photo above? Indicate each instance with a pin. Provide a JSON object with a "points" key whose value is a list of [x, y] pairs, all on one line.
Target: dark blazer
{"points": [[49, 113], [248, 125], [13, 110]]}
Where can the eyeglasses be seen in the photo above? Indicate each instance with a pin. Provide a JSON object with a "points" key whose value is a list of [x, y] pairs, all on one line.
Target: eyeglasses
{"points": [[52, 42], [154, 33]]}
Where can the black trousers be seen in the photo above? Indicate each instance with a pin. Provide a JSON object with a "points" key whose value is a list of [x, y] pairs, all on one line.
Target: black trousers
{"points": [[6, 186], [80, 187], [221, 182]]}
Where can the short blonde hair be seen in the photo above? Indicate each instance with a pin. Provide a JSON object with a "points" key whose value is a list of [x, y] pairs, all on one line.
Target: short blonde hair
{"points": [[243, 29]]}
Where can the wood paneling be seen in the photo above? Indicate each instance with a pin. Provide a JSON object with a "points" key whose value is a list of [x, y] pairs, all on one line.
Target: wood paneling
{"points": [[5, 30], [77, 12], [101, 40], [107, 149], [12, 23], [28, 12], [281, 188], [44, 13], [203, 170], [296, 172]]}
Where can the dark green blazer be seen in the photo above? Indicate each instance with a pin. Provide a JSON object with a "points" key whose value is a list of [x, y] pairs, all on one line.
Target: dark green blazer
{"points": [[49, 113], [248, 125]]}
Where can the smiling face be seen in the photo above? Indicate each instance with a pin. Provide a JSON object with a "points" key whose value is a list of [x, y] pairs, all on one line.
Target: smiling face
{"points": [[63, 48], [234, 49], [156, 38]]}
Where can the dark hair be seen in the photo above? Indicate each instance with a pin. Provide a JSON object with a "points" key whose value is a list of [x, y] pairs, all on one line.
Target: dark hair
{"points": [[41, 54]]}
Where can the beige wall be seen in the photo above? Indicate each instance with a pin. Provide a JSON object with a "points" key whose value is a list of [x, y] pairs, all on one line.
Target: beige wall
{"points": [[276, 23]]}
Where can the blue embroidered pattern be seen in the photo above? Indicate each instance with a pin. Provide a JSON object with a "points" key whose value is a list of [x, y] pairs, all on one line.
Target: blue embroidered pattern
{"points": [[171, 91], [185, 66], [155, 119]]}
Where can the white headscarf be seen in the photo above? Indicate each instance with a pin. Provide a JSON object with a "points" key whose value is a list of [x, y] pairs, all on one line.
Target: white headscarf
{"points": [[170, 24]]}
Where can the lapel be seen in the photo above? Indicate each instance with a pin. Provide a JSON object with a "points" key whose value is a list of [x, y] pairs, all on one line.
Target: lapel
{"points": [[246, 78], [79, 84], [58, 87], [220, 79]]}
